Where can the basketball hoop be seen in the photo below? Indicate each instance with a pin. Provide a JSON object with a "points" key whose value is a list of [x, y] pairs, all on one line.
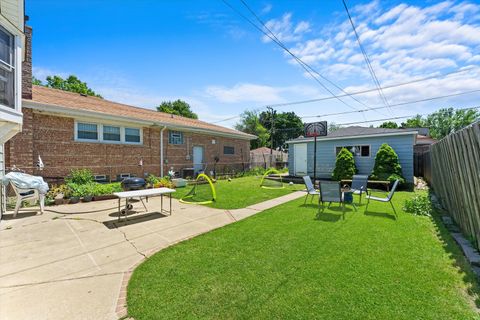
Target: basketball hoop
{"points": [[316, 129]]}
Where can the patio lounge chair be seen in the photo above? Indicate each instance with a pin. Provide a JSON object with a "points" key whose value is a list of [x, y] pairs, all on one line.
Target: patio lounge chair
{"points": [[310, 189], [359, 185], [387, 199], [330, 191], [27, 194]]}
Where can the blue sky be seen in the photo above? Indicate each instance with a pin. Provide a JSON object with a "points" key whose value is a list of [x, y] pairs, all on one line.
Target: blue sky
{"points": [[143, 52]]}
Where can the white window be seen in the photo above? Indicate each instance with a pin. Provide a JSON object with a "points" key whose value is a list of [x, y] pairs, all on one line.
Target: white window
{"points": [[111, 133], [175, 137], [132, 135], [103, 133], [357, 151], [87, 131], [228, 150], [7, 69]]}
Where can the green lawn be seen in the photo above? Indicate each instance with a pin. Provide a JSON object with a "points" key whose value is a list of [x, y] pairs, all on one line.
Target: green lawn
{"points": [[287, 263], [241, 192]]}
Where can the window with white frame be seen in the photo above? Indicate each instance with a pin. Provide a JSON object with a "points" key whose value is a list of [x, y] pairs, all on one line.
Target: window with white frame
{"points": [[228, 150], [357, 151], [132, 135], [111, 133], [175, 137], [96, 132], [87, 131], [7, 69]]}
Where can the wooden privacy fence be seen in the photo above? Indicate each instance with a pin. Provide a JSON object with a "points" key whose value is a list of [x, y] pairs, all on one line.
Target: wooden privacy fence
{"points": [[455, 177]]}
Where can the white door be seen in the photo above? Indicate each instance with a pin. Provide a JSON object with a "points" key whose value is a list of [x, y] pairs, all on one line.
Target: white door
{"points": [[197, 159], [300, 159]]}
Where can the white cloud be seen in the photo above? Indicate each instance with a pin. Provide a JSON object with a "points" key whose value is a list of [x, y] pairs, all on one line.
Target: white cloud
{"points": [[256, 93], [402, 42], [285, 30], [267, 8], [42, 73]]}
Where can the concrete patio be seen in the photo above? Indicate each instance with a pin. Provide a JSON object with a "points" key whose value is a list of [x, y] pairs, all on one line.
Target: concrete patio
{"points": [[70, 262]]}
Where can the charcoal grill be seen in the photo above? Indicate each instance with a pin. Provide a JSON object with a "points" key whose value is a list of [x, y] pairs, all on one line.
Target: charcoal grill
{"points": [[129, 184]]}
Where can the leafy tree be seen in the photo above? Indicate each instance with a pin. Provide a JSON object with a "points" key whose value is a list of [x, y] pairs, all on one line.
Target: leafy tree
{"points": [[446, 121], [387, 167], [344, 166], [415, 122], [250, 123], [332, 126], [389, 125], [72, 84], [178, 107], [36, 81], [287, 125]]}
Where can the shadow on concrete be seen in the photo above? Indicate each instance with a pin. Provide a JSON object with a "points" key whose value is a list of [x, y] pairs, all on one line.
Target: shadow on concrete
{"points": [[133, 219]]}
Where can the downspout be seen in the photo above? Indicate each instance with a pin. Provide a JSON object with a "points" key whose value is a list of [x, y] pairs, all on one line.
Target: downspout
{"points": [[161, 150]]}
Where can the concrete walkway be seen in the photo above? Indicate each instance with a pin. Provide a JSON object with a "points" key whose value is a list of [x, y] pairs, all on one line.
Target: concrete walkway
{"points": [[73, 261]]}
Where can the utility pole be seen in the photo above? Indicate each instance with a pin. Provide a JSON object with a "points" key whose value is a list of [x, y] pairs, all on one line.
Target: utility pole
{"points": [[272, 130]]}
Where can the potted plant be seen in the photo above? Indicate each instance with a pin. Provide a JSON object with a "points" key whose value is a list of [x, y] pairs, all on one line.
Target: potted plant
{"points": [[75, 193]]}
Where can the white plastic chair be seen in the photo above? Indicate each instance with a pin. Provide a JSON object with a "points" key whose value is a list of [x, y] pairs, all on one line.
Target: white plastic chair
{"points": [[31, 195], [310, 189]]}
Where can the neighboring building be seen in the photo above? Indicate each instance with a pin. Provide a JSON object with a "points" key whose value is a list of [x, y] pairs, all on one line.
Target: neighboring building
{"points": [[69, 131], [14, 49], [423, 143], [266, 157], [364, 143]]}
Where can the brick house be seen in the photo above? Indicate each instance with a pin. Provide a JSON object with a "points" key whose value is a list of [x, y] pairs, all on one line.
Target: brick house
{"points": [[69, 131]]}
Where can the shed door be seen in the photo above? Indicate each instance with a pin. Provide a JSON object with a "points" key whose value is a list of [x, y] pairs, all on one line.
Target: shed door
{"points": [[300, 159]]}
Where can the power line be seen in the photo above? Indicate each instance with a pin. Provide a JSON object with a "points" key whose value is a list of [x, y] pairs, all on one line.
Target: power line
{"points": [[272, 37], [397, 104], [353, 93], [395, 118], [365, 56], [378, 120], [300, 61]]}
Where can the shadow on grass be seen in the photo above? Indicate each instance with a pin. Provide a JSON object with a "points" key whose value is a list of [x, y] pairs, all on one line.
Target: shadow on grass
{"points": [[459, 260], [384, 215]]}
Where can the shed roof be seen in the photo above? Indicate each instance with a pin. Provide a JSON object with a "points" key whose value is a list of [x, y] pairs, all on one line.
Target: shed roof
{"points": [[265, 150], [65, 102], [357, 132]]}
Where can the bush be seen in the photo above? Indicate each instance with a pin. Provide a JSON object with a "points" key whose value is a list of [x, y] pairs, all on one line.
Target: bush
{"points": [[57, 190], [81, 190], [100, 189], [164, 182], [80, 176], [93, 189], [387, 166], [344, 166], [419, 205], [153, 179]]}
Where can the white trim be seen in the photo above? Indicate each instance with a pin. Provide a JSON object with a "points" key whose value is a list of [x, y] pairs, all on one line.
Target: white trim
{"points": [[100, 133], [74, 113], [18, 73], [355, 137]]}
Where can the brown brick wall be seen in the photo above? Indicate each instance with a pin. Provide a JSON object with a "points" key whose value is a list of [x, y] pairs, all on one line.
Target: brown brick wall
{"points": [[52, 138], [27, 65]]}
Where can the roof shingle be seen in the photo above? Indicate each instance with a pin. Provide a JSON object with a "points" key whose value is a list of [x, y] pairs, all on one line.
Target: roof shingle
{"points": [[75, 101]]}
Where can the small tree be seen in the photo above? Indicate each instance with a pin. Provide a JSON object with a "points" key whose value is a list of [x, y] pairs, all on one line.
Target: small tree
{"points": [[387, 166], [344, 165]]}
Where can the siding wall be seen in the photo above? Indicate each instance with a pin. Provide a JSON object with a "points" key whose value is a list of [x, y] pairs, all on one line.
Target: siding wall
{"points": [[403, 146], [13, 11]]}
